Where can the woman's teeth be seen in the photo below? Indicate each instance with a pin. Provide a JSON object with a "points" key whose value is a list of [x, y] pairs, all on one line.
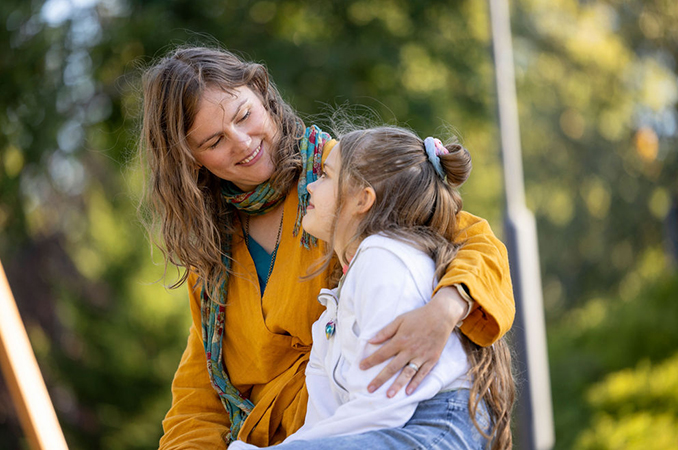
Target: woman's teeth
{"points": [[251, 157]]}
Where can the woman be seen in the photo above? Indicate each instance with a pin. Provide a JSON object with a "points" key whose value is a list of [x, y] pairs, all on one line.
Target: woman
{"points": [[229, 163]]}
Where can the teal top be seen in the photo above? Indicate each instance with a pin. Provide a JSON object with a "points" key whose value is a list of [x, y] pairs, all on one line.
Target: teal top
{"points": [[262, 261]]}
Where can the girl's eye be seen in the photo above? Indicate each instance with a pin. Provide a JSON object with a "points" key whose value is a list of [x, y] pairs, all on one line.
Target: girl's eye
{"points": [[216, 142], [322, 175]]}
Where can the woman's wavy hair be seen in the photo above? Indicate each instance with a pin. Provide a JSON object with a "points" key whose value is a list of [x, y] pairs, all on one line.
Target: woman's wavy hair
{"points": [[182, 200], [413, 203]]}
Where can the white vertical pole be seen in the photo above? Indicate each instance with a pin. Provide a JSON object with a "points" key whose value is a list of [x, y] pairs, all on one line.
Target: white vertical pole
{"points": [[534, 409]]}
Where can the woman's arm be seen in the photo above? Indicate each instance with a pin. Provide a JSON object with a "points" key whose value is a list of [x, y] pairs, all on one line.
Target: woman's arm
{"points": [[197, 419], [481, 266]]}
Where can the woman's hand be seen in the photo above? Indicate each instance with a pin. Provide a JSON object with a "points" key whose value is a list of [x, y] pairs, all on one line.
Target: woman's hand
{"points": [[416, 337]]}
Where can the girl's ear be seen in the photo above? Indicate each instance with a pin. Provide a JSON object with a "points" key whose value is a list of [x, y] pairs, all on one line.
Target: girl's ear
{"points": [[365, 199]]}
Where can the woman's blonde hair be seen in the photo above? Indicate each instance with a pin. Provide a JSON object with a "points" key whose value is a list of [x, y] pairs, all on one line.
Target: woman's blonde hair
{"points": [[415, 204], [183, 199]]}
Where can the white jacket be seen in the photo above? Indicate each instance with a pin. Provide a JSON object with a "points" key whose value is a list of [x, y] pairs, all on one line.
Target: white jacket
{"points": [[386, 278]]}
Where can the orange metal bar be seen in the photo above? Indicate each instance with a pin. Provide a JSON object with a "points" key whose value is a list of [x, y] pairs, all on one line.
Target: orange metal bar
{"points": [[23, 377]]}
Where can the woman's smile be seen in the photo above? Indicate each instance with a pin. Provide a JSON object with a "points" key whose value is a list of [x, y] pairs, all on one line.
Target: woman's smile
{"points": [[234, 137], [251, 158]]}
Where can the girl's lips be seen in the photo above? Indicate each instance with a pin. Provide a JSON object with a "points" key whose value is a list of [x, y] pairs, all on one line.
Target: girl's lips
{"points": [[251, 158]]}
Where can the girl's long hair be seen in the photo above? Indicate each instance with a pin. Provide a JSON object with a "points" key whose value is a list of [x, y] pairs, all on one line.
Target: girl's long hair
{"points": [[415, 204], [182, 200]]}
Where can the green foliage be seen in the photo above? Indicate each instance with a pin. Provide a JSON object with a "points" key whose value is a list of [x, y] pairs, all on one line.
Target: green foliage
{"points": [[613, 371], [635, 408], [632, 432], [110, 341], [599, 137], [596, 85]]}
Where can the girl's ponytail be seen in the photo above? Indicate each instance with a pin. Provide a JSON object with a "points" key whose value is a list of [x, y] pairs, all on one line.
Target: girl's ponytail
{"points": [[456, 164]]}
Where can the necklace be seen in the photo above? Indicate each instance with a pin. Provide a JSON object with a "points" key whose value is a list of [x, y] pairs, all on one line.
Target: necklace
{"points": [[277, 240]]}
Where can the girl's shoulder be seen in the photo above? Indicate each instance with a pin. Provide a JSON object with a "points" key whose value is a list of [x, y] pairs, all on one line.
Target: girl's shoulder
{"points": [[386, 264], [380, 247], [395, 245]]}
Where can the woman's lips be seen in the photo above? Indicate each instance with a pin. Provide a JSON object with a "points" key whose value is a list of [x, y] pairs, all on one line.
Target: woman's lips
{"points": [[252, 156]]}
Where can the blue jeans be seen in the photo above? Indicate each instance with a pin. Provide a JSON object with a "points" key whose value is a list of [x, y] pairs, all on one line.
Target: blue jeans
{"points": [[442, 422]]}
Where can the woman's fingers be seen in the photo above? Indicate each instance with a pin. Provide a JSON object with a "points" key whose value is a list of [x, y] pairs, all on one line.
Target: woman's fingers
{"points": [[384, 334], [404, 348], [418, 336], [393, 367], [386, 351], [418, 377], [408, 373]]}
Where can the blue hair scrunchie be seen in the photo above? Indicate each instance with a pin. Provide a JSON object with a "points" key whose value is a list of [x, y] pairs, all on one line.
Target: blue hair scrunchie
{"points": [[435, 148]]}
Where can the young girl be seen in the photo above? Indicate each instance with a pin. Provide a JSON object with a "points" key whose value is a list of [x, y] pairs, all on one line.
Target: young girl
{"points": [[386, 204]]}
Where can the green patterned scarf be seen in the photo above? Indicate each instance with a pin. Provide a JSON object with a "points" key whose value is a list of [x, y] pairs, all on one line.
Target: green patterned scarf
{"points": [[263, 199]]}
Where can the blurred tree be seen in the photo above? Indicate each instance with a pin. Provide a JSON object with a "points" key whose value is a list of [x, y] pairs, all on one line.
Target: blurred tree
{"points": [[598, 92], [597, 86], [109, 344], [598, 113], [75, 257], [613, 369]]}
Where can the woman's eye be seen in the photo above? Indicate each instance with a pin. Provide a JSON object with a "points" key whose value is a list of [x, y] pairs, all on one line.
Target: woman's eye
{"points": [[245, 116], [322, 175], [215, 143]]}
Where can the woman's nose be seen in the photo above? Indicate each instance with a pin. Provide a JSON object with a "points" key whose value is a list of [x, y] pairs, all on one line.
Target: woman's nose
{"points": [[242, 139], [310, 187]]}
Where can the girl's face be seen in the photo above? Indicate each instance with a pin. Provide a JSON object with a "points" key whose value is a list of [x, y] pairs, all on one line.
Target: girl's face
{"points": [[233, 136], [322, 206]]}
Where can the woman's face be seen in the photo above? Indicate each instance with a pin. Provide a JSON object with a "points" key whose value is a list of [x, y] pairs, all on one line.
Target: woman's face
{"points": [[234, 137]]}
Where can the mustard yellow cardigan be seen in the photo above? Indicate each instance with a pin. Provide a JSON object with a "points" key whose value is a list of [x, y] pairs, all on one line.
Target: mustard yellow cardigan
{"points": [[267, 340]]}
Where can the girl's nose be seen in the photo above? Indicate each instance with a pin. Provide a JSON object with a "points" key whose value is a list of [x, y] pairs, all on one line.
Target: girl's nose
{"points": [[310, 187]]}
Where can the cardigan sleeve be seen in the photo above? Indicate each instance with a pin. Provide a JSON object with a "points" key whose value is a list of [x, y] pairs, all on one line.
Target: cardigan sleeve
{"points": [[196, 419], [482, 266]]}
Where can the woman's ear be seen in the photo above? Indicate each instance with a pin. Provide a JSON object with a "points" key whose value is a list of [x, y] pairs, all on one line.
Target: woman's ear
{"points": [[365, 199]]}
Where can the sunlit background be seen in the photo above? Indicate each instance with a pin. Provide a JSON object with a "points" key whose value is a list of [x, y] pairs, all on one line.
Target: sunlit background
{"points": [[597, 90]]}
